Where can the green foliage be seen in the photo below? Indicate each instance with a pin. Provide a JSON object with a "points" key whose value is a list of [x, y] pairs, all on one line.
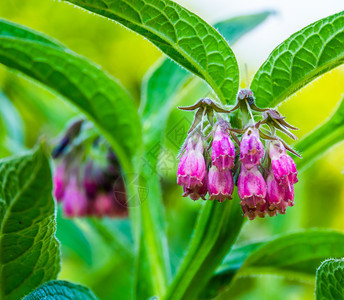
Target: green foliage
{"points": [[330, 280], [322, 138], [218, 222], [10, 29], [88, 87], [304, 56], [29, 251], [234, 28], [295, 256], [180, 34], [59, 289]]}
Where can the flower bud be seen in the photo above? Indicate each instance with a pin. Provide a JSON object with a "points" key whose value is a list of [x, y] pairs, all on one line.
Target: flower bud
{"points": [[197, 192], [59, 182], [220, 184], [74, 200], [223, 149], [283, 166], [252, 192], [278, 197], [251, 148], [191, 168]]}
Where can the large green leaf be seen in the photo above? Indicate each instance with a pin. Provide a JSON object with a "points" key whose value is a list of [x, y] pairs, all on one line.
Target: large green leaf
{"points": [[304, 56], [295, 256], [322, 138], [330, 280], [10, 29], [88, 87], [29, 251], [180, 34], [164, 81], [59, 289]]}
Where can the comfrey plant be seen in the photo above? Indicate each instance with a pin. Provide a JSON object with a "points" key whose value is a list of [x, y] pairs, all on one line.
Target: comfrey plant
{"points": [[233, 153], [265, 185], [86, 186]]}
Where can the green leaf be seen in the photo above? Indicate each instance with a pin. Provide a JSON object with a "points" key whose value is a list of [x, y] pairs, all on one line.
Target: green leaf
{"points": [[13, 125], [234, 28], [59, 289], [301, 58], [180, 34], [295, 255], [10, 29], [93, 91], [317, 142], [164, 81], [330, 280], [29, 251]]}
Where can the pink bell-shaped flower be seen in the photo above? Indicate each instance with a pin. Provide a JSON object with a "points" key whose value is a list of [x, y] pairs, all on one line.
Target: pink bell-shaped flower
{"points": [[74, 200], [223, 149], [220, 184], [283, 166], [192, 168], [59, 182], [252, 192], [198, 191], [278, 197], [251, 148]]}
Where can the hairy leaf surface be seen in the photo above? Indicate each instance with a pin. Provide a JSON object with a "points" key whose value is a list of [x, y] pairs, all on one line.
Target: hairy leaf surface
{"points": [[301, 58], [59, 289], [180, 34], [29, 251], [93, 91], [330, 280]]}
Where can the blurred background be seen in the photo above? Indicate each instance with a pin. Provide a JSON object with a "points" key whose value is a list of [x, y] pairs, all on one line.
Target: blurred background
{"points": [[29, 111]]}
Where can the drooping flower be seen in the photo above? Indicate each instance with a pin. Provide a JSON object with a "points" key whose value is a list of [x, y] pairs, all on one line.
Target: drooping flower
{"points": [[220, 184], [252, 192], [59, 184], [198, 191], [283, 166], [74, 200], [192, 168], [223, 149], [251, 148], [278, 197]]}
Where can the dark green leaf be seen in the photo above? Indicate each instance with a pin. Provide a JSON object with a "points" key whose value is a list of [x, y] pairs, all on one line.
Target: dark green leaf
{"points": [[10, 29], [330, 280], [180, 34], [29, 251], [295, 255], [163, 82], [61, 290], [301, 58], [94, 92]]}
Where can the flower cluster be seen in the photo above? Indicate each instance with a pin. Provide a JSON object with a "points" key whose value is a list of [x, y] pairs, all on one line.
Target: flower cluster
{"points": [[264, 173], [88, 186]]}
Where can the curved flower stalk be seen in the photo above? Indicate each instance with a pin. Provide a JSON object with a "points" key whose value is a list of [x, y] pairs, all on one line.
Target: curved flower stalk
{"points": [[265, 182]]}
